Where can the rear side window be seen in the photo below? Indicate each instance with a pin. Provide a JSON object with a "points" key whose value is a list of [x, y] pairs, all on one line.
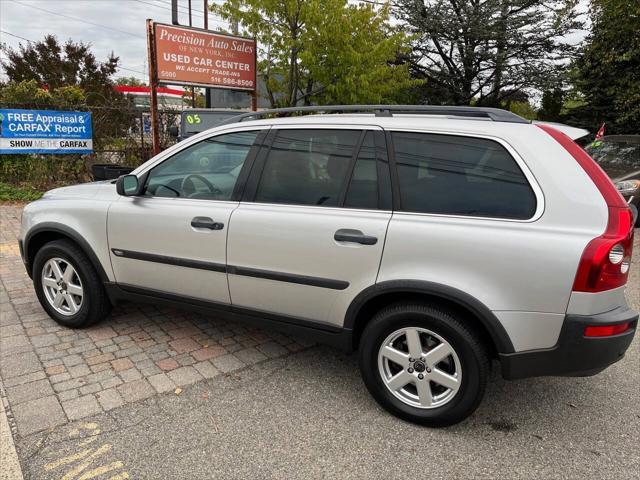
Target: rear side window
{"points": [[307, 167], [454, 175]]}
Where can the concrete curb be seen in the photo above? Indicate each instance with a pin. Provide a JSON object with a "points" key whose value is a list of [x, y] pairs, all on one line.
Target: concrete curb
{"points": [[8, 457]]}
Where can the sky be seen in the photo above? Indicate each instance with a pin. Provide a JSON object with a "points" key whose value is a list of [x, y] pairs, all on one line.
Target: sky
{"points": [[108, 25], [116, 26]]}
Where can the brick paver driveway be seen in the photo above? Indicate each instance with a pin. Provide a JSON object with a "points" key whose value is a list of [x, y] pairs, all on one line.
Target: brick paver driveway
{"points": [[52, 375]]}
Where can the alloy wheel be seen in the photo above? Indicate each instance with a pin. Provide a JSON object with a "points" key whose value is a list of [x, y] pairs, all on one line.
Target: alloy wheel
{"points": [[419, 367], [62, 286]]}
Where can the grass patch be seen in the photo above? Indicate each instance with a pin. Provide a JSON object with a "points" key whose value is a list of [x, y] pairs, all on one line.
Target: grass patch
{"points": [[19, 193]]}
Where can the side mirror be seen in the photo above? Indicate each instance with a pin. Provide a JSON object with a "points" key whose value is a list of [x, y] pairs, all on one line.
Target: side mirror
{"points": [[128, 186], [173, 131]]}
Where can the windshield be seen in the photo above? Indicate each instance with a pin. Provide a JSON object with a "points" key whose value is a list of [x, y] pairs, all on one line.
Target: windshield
{"points": [[196, 122], [617, 158]]}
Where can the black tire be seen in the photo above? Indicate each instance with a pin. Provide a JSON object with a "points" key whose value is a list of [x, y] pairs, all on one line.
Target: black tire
{"points": [[95, 303], [469, 348]]}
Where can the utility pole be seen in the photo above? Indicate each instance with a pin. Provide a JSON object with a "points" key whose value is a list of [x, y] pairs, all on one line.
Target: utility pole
{"points": [[193, 90], [206, 15], [207, 91]]}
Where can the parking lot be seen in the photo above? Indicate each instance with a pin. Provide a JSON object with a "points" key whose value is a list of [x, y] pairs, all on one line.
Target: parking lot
{"points": [[161, 393]]}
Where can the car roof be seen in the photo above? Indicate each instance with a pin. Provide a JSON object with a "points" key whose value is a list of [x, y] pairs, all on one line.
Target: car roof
{"points": [[407, 122]]}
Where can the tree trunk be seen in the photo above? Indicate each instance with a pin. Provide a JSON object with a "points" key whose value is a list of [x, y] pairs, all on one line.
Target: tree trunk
{"points": [[293, 76], [493, 98]]}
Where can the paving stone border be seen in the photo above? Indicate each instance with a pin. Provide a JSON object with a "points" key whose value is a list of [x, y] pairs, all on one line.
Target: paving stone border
{"points": [[53, 375]]}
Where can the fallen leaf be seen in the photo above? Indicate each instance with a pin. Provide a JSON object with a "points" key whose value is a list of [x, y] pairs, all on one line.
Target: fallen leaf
{"points": [[177, 391]]}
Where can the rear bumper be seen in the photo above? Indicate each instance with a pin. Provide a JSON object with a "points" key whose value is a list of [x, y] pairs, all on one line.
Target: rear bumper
{"points": [[574, 355]]}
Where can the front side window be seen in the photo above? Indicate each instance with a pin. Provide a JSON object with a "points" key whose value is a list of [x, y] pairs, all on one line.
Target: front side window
{"points": [[456, 175], [206, 170], [307, 167]]}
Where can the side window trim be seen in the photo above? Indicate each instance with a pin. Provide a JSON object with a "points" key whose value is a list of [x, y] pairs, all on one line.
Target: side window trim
{"points": [[254, 176], [383, 162], [245, 171], [393, 167], [522, 165], [346, 182]]}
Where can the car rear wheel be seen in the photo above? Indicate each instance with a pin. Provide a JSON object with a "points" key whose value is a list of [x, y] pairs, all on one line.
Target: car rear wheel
{"points": [[67, 285], [423, 364]]}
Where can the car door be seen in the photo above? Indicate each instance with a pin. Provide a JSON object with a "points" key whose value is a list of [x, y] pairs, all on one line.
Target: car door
{"points": [[172, 238], [309, 233]]}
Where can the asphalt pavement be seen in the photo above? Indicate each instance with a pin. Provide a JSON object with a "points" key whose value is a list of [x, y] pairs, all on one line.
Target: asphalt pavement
{"points": [[309, 416]]}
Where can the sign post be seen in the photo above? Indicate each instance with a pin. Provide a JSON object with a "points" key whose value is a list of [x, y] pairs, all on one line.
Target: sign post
{"points": [[45, 131], [153, 84]]}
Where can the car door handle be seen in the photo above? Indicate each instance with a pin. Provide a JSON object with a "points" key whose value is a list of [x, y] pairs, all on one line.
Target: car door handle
{"points": [[354, 236], [206, 222]]}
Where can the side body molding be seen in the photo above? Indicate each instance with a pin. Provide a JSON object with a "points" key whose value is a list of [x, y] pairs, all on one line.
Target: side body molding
{"points": [[64, 230], [478, 309]]}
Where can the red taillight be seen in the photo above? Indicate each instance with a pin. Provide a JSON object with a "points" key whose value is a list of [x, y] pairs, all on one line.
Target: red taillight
{"points": [[596, 271], [606, 259], [606, 330]]}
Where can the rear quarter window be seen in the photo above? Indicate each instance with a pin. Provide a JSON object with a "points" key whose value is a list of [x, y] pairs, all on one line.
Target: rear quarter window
{"points": [[456, 175]]}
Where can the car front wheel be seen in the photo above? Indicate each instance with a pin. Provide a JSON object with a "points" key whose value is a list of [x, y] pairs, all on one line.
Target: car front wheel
{"points": [[423, 364], [67, 285]]}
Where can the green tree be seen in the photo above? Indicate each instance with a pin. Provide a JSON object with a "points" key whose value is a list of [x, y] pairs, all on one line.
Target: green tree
{"points": [[607, 71], [29, 92], [130, 82], [551, 104], [198, 94], [524, 109], [323, 51], [55, 65], [483, 52]]}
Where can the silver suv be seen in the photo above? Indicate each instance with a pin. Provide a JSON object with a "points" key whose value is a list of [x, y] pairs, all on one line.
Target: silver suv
{"points": [[430, 239]]}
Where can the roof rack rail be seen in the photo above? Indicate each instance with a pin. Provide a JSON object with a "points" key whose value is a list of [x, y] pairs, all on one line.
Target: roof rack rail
{"points": [[495, 114]]}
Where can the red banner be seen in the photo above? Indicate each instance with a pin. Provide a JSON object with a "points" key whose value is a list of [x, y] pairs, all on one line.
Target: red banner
{"points": [[189, 56]]}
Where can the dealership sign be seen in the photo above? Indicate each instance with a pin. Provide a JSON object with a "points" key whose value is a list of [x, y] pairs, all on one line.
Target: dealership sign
{"points": [[45, 131], [188, 56]]}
